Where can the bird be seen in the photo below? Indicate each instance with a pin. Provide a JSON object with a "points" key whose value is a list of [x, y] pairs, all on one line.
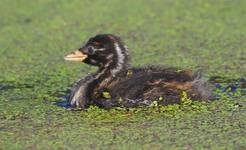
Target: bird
{"points": [[117, 84]]}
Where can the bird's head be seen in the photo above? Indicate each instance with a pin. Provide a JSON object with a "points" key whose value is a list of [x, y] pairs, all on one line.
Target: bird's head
{"points": [[102, 50]]}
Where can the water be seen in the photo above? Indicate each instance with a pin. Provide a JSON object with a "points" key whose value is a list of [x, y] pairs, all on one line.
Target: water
{"points": [[64, 103], [230, 87]]}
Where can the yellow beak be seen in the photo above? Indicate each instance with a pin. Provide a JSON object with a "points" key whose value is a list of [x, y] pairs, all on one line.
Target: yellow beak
{"points": [[76, 56]]}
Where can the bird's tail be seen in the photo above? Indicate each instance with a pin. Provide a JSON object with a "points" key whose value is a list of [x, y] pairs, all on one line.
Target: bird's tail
{"points": [[203, 88]]}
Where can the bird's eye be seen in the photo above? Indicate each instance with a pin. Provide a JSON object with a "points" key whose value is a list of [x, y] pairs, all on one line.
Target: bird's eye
{"points": [[91, 50]]}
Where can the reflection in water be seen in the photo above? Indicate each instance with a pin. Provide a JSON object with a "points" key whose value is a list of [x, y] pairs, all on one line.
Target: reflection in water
{"points": [[63, 103]]}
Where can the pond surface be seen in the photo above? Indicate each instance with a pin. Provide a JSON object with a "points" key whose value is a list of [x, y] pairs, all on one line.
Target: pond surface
{"points": [[35, 35]]}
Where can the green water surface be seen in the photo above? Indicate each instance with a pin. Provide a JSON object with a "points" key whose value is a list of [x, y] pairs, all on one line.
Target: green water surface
{"points": [[35, 35]]}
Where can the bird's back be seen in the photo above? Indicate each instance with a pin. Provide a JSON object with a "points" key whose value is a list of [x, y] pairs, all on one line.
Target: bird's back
{"points": [[143, 86]]}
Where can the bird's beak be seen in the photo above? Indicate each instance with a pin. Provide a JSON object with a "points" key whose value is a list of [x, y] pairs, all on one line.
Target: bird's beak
{"points": [[76, 56]]}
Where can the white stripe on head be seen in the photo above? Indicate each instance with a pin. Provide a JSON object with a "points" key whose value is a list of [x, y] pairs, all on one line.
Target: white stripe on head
{"points": [[96, 49], [120, 57], [100, 49]]}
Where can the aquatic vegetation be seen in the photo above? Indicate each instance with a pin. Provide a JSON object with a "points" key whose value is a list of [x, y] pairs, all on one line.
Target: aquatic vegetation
{"points": [[34, 77]]}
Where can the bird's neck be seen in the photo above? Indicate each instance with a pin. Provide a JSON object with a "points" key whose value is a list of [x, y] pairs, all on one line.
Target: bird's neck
{"points": [[115, 64]]}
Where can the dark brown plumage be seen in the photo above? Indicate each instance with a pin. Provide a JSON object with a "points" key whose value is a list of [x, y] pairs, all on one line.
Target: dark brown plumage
{"points": [[115, 84]]}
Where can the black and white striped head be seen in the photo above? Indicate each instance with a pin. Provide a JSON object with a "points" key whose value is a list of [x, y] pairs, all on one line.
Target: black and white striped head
{"points": [[104, 50]]}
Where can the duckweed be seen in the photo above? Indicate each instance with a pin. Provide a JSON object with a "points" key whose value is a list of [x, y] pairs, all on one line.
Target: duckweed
{"points": [[35, 35]]}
